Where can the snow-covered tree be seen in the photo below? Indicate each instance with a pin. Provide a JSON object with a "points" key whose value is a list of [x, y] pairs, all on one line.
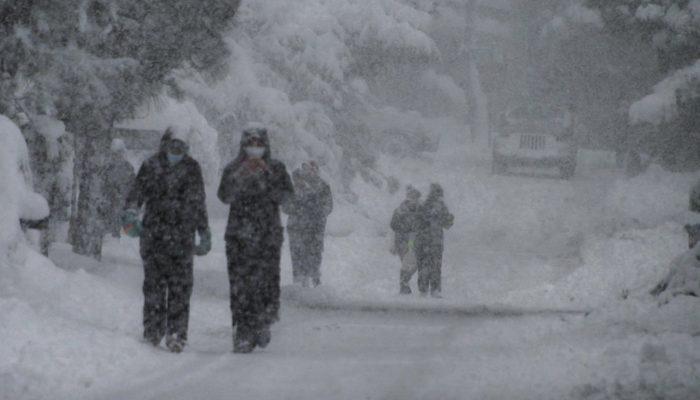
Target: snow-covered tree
{"points": [[90, 63], [673, 28], [571, 60], [324, 74]]}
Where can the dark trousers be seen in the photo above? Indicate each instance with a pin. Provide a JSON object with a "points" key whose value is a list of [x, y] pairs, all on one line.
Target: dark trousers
{"points": [[430, 269], [254, 278], [409, 266], [306, 249], [167, 288]]}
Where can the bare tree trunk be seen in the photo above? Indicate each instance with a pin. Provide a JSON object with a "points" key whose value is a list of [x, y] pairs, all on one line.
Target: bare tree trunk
{"points": [[88, 225], [74, 192]]}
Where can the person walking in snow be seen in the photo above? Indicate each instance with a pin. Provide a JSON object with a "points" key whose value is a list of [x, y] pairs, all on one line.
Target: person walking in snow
{"points": [[434, 219], [119, 176], [170, 187], [254, 185], [308, 212], [405, 223]]}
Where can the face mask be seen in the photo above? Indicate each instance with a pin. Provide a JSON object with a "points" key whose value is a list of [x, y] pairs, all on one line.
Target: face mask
{"points": [[175, 158], [255, 151]]}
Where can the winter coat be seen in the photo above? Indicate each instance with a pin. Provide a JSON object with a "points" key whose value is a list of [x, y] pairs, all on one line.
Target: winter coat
{"points": [[174, 199], [255, 200], [309, 208], [119, 176], [405, 222], [434, 219]]}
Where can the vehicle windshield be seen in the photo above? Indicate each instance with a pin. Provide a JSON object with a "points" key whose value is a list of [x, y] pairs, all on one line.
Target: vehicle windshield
{"points": [[534, 120]]}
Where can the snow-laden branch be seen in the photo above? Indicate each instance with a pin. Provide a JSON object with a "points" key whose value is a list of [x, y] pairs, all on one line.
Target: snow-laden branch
{"points": [[660, 106]]}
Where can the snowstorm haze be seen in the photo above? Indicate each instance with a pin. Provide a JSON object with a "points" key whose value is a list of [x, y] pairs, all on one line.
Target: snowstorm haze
{"points": [[350, 199]]}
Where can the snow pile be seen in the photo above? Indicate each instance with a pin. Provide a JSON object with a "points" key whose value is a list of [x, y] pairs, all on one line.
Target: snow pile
{"points": [[61, 332], [650, 199], [17, 197], [641, 238], [64, 333], [630, 262], [643, 367]]}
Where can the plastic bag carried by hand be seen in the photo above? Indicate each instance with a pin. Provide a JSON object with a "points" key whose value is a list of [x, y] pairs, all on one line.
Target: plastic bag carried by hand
{"points": [[204, 246], [131, 224]]}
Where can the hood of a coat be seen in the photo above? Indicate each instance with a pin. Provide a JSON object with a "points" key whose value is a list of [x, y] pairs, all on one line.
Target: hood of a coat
{"points": [[174, 133], [250, 133]]}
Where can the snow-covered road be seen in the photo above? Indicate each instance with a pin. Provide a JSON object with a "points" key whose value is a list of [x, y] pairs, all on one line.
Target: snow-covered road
{"points": [[368, 355], [523, 252]]}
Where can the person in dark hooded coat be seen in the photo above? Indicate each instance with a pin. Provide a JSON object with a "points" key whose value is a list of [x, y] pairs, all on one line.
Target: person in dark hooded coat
{"points": [[405, 223], [308, 212], [435, 218], [254, 185], [171, 188]]}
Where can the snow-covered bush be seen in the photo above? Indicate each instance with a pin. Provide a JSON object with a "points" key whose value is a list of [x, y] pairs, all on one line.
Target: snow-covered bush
{"points": [[17, 198]]}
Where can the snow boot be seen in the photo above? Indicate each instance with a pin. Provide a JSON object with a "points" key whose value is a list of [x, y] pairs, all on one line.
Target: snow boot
{"points": [[243, 346], [404, 289], [155, 342], [243, 341], [263, 337], [174, 344]]}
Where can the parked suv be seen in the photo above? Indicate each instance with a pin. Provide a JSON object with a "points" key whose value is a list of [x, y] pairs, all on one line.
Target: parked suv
{"points": [[535, 138]]}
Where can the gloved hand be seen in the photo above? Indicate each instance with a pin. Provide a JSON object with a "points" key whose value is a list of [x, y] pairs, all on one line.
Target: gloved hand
{"points": [[251, 167], [450, 220], [204, 245], [131, 224]]}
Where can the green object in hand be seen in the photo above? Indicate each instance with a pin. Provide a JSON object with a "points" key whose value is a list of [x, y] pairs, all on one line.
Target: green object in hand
{"points": [[131, 225], [204, 245]]}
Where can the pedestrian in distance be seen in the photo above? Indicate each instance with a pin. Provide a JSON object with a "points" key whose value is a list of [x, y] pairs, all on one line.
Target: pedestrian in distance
{"points": [[434, 219], [170, 187], [308, 212], [405, 223], [254, 185]]}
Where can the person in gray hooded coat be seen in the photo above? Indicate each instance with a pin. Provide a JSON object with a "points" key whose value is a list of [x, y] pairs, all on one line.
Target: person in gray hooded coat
{"points": [[405, 223], [254, 185], [308, 212], [435, 218]]}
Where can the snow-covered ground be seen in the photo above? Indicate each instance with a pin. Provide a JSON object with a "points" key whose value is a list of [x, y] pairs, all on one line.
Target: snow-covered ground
{"points": [[520, 245]]}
